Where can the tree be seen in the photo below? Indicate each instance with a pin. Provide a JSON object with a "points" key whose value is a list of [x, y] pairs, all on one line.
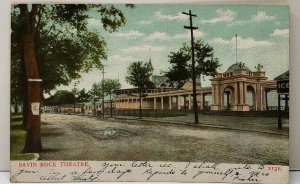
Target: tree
{"points": [[82, 97], [59, 98], [138, 75], [55, 46], [96, 94], [206, 63], [180, 71], [109, 87]]}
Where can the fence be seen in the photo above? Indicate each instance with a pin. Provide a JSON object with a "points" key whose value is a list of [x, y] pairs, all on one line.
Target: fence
{"points": [[145, 112]]}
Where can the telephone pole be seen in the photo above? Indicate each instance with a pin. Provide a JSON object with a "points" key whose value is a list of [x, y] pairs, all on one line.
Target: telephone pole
{"points": [[74, 93], [195, 105]]}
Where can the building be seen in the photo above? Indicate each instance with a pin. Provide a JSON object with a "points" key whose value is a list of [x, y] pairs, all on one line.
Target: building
{"points": [[237, 89]]}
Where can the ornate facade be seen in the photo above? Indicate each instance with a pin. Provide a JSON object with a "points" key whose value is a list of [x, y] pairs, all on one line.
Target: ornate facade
{"points": [[237, 89]]}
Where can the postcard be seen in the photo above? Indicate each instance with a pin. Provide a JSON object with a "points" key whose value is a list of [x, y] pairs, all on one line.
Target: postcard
{"points": [[150, 92]]}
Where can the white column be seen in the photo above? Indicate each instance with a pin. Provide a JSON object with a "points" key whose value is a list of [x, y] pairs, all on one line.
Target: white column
{"points": [[154, 102], [178, 102], [201, 101], [245, 94], [236, 93], [217, 95], [241, 93], [162, 102], [170, 102]]}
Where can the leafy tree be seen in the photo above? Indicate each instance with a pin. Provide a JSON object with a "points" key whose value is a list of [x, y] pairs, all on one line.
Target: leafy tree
{"points": [[96, 94], [180, 72], [206, 63], [109, 87], [52, 42], [59, 98], [83, 96], [138, 75], [104, 88]]}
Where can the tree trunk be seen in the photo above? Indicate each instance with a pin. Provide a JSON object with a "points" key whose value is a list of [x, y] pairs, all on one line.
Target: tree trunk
{"points": [[33, 126]]}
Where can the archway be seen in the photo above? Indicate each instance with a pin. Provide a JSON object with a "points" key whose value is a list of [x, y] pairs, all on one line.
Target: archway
{"points": [[250, 100], [228, 98]]}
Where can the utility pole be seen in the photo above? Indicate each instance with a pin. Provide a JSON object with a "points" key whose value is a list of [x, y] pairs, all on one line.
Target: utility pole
{"points": [[236, 49], [195, 105], [75, 84], [103, 72]]}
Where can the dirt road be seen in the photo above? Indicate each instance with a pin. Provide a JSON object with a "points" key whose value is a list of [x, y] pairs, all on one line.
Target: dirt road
{"points": [[69, 137]]}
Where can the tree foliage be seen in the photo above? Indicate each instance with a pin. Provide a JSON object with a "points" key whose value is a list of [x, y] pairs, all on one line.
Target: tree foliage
{"points": [[105, 87], [138, 75], [110, 85], [205, 63], [59, 98], [96, 93], [65, 46], [179, 73], [83, 96], [53, 42]]}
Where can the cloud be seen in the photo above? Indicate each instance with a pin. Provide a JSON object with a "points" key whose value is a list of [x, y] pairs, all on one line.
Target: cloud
{"points": [[280, 33], [161, 36], [119, 58], [143, 48], [222, 16], [94, 22], [219, 41], [187, 35], [246, 43], [178, 17], [129, 34], [243, 43], [262, 16], [144, 22]]}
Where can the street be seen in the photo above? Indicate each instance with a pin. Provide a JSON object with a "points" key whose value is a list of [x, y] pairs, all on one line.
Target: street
{"points": [[69, 137]]}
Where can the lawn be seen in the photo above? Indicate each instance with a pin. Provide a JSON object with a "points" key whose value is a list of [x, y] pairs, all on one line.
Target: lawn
{"points": [[17, 139]]}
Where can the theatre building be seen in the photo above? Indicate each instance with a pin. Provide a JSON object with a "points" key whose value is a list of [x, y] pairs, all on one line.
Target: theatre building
{"points": [[236, 89]]}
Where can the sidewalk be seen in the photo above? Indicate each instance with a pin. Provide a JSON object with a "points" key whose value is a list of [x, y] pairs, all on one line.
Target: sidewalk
{"points": [[253, 124]]}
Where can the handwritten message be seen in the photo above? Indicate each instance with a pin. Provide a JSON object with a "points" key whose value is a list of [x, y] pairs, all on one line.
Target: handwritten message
{"points": [[63, 171]]}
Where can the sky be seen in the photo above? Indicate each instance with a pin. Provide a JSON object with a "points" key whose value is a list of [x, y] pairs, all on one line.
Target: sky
{"points": [[153, 31]]}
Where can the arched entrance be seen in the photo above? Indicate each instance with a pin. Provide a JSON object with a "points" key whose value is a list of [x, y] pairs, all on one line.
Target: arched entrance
{"points": [[250, 100], [228, 98]]}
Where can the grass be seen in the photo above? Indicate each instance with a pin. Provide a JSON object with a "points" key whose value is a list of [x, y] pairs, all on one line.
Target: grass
{"points": [[17, 139]]}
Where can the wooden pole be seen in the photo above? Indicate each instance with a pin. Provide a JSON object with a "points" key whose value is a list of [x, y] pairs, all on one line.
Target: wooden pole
{"points": [[195, 105]]}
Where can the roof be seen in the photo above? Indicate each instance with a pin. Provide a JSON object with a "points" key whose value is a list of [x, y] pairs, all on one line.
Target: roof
{"points": [[284, 76], [238, 66]]}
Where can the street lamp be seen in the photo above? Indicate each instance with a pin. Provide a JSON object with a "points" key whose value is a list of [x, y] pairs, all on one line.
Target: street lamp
{"points": [[74, 92]]}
